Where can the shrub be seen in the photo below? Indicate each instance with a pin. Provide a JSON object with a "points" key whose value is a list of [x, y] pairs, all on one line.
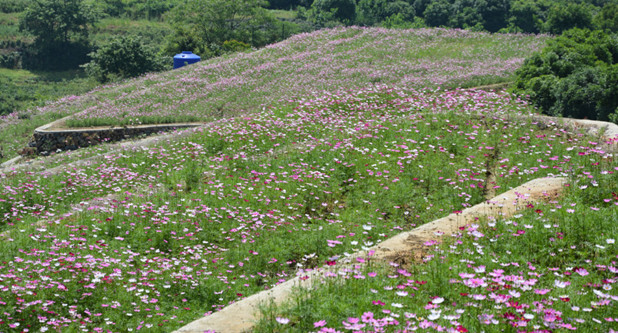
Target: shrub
{"points": [[343, 10], [235, 46], [607, 19], [124, 57], [561, 18], [576, 75]]}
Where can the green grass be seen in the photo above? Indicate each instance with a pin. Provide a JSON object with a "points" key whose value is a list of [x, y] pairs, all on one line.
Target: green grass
{"points": [[152, 32], [20, 75], [283, 14], [241, 205], [346, 58], [564, 241], [23, 92], [9, 26]]}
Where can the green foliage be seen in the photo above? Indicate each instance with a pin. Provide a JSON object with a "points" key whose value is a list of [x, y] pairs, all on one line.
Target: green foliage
{"points": [[57, 21], [203, 26], [607, 19], [13, 6], [397, 21], [10, 60], [235, 46], [574, 15], [438, 13], [494, 13], [284, 4], [124, 57], [342, 10], [136, 9], [525, 16], [372, 12], [60, 28], [574, 76], [465, 15]]}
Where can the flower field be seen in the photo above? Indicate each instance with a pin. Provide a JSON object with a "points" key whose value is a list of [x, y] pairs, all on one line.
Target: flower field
{"points": [[302, 67], [306, 65], [150, 238]]}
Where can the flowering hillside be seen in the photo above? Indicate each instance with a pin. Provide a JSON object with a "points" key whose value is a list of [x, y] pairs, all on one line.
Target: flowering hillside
{"points": [[306, 65], [151, 238]]}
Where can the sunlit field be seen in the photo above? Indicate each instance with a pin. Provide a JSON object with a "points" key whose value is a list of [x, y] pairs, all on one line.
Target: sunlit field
{"points": [[154, 237]]}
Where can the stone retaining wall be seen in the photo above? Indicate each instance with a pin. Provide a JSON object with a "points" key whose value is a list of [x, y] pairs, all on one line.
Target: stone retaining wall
{"points": [[47, 139]]}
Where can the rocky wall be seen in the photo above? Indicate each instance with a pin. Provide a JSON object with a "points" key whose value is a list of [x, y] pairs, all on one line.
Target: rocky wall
{"points": [[46, 141]]}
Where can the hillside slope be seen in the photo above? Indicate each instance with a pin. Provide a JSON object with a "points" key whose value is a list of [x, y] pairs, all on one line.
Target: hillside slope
{"points": [[153, 237], [306, 65]]}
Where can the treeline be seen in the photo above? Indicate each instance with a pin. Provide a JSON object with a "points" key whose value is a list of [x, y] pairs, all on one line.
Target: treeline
{"points": [[575, 75], [59, 29], [527, 16], [57, 35]]}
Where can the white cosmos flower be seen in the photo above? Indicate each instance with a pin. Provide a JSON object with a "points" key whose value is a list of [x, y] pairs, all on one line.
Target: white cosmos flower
{"points": [[434, 315]]}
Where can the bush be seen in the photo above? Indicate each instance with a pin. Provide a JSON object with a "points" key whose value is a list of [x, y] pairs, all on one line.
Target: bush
{"points": [[575, 75], [13, 6], [343, 10], [124, 57], [235, 46], [372, 12], [561, 18], [607, 19], [10, 60]]}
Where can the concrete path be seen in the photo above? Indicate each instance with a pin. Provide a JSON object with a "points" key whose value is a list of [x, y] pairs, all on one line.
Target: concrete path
{"points": [[241, 316]]}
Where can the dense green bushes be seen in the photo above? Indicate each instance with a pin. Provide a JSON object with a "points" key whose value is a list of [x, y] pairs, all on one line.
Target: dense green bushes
{"points": [[124, 57], [13, 6], [576, 75]]}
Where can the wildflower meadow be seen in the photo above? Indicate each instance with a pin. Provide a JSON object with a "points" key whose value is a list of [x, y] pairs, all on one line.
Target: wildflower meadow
{"points": [[313, 149], [153, 237]]}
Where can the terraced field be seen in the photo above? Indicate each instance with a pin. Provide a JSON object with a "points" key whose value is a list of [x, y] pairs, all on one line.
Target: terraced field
{"points": [[152, 237]]}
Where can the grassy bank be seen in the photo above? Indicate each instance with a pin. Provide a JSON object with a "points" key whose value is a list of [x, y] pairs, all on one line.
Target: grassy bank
{"points": [[241, 205], [308, 65]]}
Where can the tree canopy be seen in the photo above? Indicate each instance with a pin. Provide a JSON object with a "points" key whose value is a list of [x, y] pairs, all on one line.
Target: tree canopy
{"points": [[57, 21]]}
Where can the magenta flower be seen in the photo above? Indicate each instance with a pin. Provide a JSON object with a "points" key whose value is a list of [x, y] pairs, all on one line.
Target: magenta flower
{"points": [[320, 323]]}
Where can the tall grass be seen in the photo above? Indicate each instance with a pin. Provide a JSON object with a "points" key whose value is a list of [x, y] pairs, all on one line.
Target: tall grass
{"points": [[155, 237]]}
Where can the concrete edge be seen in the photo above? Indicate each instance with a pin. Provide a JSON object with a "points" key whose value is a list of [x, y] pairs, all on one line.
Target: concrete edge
{"points": [[608, 131], [241, 316], [46, 128], [48, 139]]}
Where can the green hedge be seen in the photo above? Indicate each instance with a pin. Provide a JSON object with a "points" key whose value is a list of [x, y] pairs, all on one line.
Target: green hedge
{"points": [[575, 75]]}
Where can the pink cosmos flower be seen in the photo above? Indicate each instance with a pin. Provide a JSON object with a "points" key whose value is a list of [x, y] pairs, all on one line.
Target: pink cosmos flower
{"points": [[319, 323]]}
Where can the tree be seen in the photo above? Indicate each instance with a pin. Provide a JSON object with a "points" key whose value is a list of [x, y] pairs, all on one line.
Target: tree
{"points": [[207, 24], [524, 16], [57, 21], [60, 28], [373, 12], [574, 15], [283, 4], [465, 14], [343, 10], [124, 57], [494, 13], [575, 75], [438, 13], [607, 18]]}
